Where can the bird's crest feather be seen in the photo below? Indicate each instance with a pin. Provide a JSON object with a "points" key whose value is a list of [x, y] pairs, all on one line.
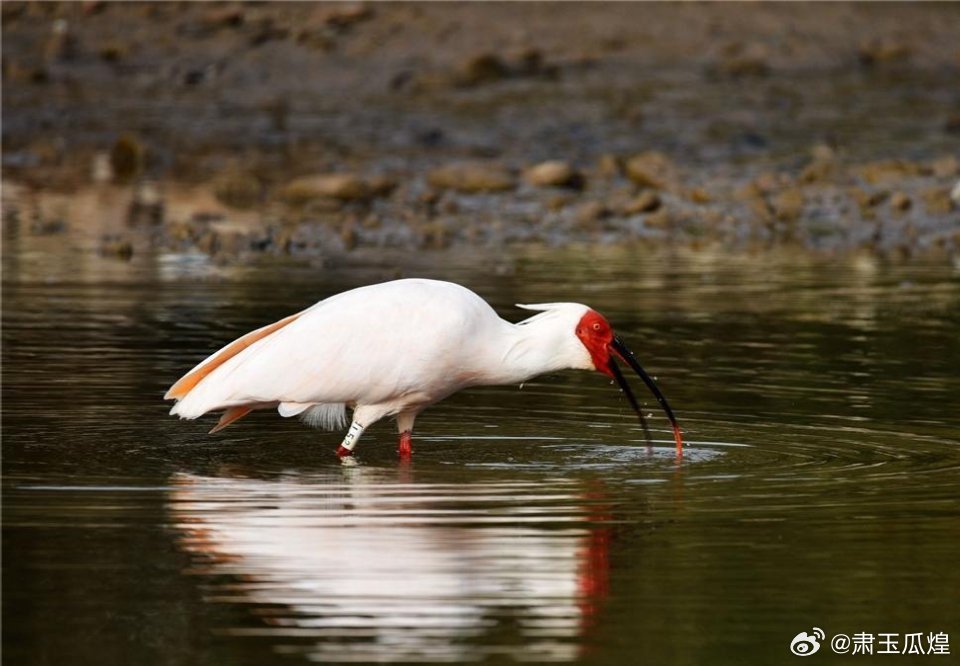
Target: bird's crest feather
{"points": [[551, 310]]}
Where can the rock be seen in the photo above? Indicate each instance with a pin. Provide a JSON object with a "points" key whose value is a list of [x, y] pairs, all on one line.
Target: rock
{"points": [[434, 236], [868, 200], [15, 71], [651, 169], [881, 51], [609, 166], [788, 205], [116, 246], [232, 243], [225, 17], [900, 202], [646, 202], [348, 236], [208, 242], [381, 186], [12, 11], [112, 52], [818, 171], [660, 219], [237, 189], [952, 124], [738, 61], [94, 7], [889, 170], [428, 198], [472, 177], [127, 158], [62, 44], [529, 62], [483, 68], [179, 230], [589, 213], [821, 152], [100, 169], [315, 38], [335, 186], [945, 167], [267, 30], [937, 201], [48, 226], [345, 15], [448, 206], [554, 173], [559, 201], [146, 206], [698, 195]]}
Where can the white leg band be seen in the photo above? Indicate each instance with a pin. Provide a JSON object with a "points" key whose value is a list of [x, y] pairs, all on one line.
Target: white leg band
{"points": [[353, 435]]}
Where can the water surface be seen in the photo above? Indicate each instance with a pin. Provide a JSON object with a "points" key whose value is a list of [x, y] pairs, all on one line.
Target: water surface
{"points": [[819, 487]]}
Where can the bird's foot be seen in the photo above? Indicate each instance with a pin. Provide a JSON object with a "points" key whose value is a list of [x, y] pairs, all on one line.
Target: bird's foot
{"points": [[406, 445], [343, 452]]}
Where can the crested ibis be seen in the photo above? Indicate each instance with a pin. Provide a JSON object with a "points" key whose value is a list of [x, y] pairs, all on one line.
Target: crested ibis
{"points": [[393, 349]]}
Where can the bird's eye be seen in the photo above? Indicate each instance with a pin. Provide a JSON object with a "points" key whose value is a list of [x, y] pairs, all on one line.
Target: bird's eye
{"points": [[596, 326]]}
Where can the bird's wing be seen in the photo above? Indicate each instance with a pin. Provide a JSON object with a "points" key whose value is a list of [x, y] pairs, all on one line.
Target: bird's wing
{"points": [[214, 361], [368, 345]]}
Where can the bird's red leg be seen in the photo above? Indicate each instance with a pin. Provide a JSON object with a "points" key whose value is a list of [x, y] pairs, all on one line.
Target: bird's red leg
{"points": [[406, 444]]}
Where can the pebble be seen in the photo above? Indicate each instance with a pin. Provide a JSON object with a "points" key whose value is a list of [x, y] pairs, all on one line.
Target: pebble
{"points": [[646, 202], [609, 166], [342, 187], [472, 177], [651, 169], [788, 205], [889, 170], [952, 124], [482, 68], [945, 167], [882, 51], [937, 201], [818, 171], [237, 189], [345, 15], [900, 202], [228, 17], [738, 61], [590, 213], [48, 226], [127, 158], [558, 202], [659, 219], [554, 173], [116, 246]]}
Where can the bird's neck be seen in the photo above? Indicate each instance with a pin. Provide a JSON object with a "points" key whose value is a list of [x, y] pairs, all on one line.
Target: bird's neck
{"points": [[534, 348]]}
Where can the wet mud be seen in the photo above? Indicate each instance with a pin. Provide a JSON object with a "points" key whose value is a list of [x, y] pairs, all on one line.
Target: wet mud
{"points": [[239, 129]]}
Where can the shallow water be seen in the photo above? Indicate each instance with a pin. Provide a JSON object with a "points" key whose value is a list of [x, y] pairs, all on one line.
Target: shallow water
{"points": [[819, 401]]}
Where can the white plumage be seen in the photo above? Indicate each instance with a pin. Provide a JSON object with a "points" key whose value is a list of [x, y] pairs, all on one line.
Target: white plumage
{"points": [[389, 349]]}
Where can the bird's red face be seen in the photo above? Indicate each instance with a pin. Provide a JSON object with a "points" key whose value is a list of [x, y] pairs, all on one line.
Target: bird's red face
{"points": [[597, 337]]}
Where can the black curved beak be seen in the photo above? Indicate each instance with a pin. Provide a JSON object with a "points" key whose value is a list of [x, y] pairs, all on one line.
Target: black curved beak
{"points": [[627, 357]]}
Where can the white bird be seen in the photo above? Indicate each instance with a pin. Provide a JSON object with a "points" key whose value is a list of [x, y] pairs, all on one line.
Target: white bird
{"points": [[393, 349]]}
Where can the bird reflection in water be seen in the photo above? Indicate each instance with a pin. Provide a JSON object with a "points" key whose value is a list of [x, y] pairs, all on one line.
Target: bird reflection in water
{"points": [[363, 564]]}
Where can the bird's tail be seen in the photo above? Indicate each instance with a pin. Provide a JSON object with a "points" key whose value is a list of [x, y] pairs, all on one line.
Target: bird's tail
{"points": [[326, 416]]}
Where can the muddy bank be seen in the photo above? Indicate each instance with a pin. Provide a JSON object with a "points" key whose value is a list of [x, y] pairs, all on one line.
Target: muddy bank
{"points": [[309, 129]]}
